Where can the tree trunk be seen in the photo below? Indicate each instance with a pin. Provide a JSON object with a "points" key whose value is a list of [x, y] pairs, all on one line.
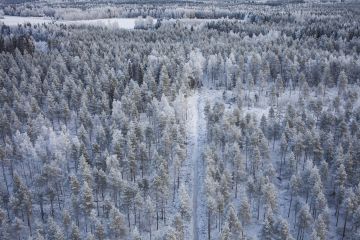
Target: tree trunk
{"points": [[174, 184], [337, 213], [52, 207], [58, 198], [258, 209], [5, 180], [150, 229], [345, 221], [128, 216], [236, 188], [337, 217], [219, 221], [273, 143], [85, 223], [178, 178], [246, 156], [281, 162], [28, 222], [209, 226], [291, 198], [296, 206], [139, 220], [41, 207], [164, 215], [298, 234], [157, 220]]}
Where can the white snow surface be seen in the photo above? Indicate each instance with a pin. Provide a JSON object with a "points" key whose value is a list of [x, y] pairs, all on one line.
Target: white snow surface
{"points": [[15, 20], [125, 23], [194, 154]]}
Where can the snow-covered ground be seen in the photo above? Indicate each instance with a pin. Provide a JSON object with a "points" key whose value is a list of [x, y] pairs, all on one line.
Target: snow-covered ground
{"points": [[125, 23], [15, 20], [194, 154]]}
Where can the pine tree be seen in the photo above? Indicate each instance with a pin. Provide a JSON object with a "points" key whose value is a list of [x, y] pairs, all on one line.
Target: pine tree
{"points": [[283, 229], [149, 212], [138, 207], [239, 170], [270, 196], [135, 234], [225, 234], [233, 222], [21, 200], [324, 171], [164, 82], [256, 161], [117, 224], [66, 222], [37, 235], [87, 201], [210, 189], [169, 234], [321, 227], [85, 172], [245, 212], [129, 192], [314, 235], [161, 187], [342, 83], [292, 164], [279, 86], [54, 232], [340, 179], [179, 227], [304, 220], [184, 199], [267, 228], [349, 208], [99, 231], [75, 232]]}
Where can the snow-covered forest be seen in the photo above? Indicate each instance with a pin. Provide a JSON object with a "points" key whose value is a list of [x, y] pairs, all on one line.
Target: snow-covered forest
{"points": [[206, 121]]}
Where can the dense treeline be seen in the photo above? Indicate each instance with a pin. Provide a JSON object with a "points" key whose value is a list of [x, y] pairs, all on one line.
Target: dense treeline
{"points": [[93, 128], [302, 152], [181, 9], [21, 43]]}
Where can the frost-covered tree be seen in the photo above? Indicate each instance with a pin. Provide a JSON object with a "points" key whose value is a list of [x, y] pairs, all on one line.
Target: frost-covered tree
{"points": [[117, 224], [185, 208]]}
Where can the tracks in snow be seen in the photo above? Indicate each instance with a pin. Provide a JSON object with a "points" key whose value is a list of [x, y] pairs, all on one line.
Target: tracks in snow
{"points": [[196, 139], [196, 156]]}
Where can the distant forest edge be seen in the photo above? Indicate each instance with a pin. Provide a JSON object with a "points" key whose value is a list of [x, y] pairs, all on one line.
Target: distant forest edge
{"points": [[165, 9]]}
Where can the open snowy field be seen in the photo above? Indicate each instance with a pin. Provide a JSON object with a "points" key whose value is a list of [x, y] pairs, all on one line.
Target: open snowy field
{"points": [[125, 23], [15, 20]]}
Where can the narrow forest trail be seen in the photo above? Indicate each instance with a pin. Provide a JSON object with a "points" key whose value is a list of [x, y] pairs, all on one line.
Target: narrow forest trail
{"points": [[197, 139], [196, 158], [194, 155]]}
